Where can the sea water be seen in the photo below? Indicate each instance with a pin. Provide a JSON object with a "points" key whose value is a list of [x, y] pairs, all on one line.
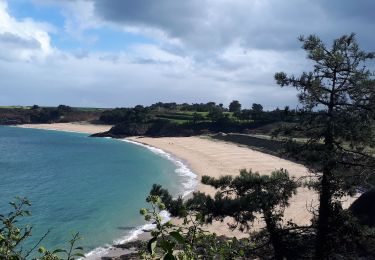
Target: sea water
{"points": [[76, 183]]}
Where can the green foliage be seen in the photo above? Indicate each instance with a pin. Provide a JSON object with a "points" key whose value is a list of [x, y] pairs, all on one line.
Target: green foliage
{"points": [[201, 107], [45, 115], [215, 114], [71, 253], [175, 116], [12, 238], [37, 114], [175, 207], [257, 107], [235, 106], [251, 193], [197, 117], [166, 244], [138, 114], [338, 119], [130, 129], [257, 111], [244, 198], [187, 240], [63, 109]]}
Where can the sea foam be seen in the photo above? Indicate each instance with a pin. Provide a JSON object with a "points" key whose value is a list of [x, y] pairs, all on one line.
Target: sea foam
{"points": [[189, 184], [190, 178]]}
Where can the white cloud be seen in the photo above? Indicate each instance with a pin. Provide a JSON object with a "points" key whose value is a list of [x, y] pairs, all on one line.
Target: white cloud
{"points": [[206, 50], [126, 81], [79, 17], [24, 40]]}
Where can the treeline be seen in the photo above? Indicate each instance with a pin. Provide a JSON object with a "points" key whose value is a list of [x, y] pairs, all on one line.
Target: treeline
{"points": [[172, 119], [138, 114], [36, 114], [201, 107]]}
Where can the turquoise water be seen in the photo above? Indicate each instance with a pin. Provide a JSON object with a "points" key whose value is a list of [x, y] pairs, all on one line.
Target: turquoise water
{"points": [[78, 183]]}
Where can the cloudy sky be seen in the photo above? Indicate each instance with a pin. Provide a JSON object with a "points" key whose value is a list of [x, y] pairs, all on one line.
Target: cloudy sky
{"points": [[110, 53]]}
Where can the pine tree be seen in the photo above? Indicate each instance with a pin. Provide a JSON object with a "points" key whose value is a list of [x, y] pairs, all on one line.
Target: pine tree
{"points": [[338, 99], [243, 197]]}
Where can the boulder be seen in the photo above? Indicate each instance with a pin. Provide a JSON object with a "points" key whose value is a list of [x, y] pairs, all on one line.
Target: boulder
{"points": [[364, 208]]}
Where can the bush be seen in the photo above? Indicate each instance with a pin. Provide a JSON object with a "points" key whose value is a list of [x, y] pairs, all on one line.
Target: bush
{"points": [[129, 129], [13, 236]]}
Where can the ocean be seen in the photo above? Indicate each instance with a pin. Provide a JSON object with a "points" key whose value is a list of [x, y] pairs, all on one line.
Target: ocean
{"points": [[76, 183]]}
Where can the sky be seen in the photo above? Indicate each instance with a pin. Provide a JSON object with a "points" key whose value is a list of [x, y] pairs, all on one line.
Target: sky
{"points": [[120, 53]]}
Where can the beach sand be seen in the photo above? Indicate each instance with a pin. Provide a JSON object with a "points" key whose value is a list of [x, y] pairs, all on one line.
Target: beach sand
{"points": [[80, 127], [205, 156]]}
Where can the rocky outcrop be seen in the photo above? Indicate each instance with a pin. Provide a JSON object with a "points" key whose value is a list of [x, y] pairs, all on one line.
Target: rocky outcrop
{"points": [[364, 208]]}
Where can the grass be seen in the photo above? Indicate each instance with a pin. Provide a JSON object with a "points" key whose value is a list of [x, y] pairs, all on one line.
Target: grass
{"points": [[14, 107], [193, 112], [91, 109]]}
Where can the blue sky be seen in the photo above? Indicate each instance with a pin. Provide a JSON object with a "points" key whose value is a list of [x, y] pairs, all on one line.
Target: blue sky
{"points": [[121, 53], [95, 39]]}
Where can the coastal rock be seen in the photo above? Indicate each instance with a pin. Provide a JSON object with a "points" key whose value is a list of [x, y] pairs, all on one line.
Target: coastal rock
{"points": [[103, 134], [221, 134], [364, 208]]}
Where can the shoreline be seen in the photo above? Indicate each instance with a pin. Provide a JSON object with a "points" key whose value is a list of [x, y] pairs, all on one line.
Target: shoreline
{"points": [[140, 233], [182, 167], [216, 158], [74, 127]]}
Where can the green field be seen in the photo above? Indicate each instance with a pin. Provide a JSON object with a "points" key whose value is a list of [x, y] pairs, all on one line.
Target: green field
{"points": [[15, 107]]}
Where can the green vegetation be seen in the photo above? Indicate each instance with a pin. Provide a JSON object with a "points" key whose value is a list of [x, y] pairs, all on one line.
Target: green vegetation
{"points": [[12, 107], [333, 134], [171, 119], [342, 88], [235, 106], [37, 114], [188, 240], [12, 238], [337, 123], [243, 198]]}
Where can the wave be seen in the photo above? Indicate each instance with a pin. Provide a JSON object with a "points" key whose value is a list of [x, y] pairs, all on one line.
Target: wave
{"points": [[190, 178], [189, 185], [98, 252]]}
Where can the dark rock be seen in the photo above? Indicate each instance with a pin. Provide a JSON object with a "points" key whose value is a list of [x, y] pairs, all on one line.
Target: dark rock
{"points": [[364, 208], [103, 134]]}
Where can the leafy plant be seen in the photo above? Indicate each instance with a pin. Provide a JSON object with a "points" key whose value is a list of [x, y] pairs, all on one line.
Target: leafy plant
{"points": [[187, 240], [162, 231], [13, 236]]}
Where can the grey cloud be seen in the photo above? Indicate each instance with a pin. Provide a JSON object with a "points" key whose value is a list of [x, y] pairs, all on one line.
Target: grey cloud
{"points": [[81, 54], [92, 82], [15, 41], [360, 9], [13, 47], [272, 24], [150, 61], [159, 14], [230, 50], [110, 57]]}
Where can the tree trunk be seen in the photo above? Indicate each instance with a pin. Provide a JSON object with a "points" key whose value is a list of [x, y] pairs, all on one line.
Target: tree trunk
{"points": [[276, 239], [322, 247]]}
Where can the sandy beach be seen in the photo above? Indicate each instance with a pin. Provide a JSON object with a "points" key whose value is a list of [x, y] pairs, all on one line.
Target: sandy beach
{"points": [[205, 156], [80, 127]]}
